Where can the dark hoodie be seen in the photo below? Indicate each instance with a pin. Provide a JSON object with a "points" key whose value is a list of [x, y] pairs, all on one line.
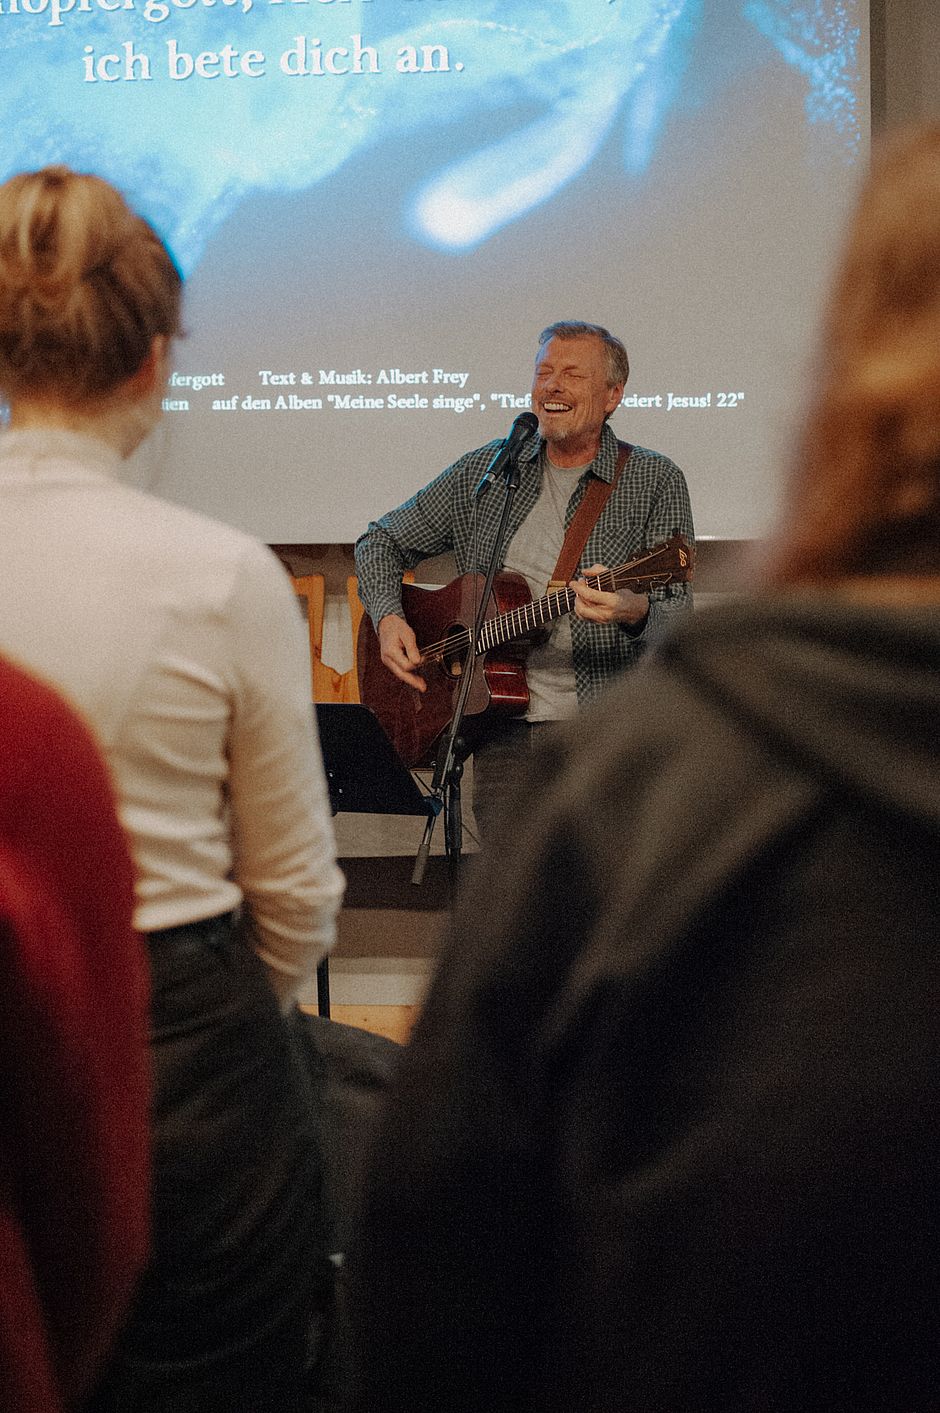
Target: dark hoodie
{"points": [[666, 1136]]}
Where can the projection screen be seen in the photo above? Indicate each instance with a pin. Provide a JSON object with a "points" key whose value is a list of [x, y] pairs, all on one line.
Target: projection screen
{"points": [[378, 204]]}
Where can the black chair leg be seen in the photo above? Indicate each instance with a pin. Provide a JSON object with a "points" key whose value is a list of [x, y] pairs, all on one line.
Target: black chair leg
{"points": [[323, 988]]}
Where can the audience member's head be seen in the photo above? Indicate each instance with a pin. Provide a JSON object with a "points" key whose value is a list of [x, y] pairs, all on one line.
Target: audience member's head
{"points": [[88, 290], [865, 498]]}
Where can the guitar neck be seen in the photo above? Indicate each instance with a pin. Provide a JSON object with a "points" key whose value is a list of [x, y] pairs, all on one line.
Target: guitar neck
{"points": [[660, 565], [528, 618], [517, 622]]}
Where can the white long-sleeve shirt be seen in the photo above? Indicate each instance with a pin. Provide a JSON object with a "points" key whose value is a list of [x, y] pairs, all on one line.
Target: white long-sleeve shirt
{"points": [[179, 640]]}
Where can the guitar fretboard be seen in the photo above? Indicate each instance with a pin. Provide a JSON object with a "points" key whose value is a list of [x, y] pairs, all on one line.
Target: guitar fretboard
{"points": [[657, 566], [517, 622]]}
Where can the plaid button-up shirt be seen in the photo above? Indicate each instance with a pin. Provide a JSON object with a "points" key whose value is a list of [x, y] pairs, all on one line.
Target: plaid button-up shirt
{"points": [[649, 503]]}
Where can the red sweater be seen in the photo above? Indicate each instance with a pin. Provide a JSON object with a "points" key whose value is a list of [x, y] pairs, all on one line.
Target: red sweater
{"points": [[74, 1155]]}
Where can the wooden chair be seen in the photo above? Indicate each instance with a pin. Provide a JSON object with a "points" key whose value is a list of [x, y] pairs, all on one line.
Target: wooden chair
{"points": [[356, 611], [310, 590], [328, 685]]}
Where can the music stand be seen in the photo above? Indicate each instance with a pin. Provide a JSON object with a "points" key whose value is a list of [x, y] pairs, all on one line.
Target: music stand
{"points": [[364, 772], [364, 775]]}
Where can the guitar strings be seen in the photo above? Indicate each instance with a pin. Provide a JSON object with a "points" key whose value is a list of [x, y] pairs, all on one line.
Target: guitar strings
{"points": [[606, 582], [458, 641]]}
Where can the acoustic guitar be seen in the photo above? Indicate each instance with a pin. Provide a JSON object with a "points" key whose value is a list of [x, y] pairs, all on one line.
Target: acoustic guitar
{"points": [[443, 619]]}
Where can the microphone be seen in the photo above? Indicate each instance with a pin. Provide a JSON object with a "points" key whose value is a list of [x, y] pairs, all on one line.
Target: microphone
{"points": [[520, 431]]}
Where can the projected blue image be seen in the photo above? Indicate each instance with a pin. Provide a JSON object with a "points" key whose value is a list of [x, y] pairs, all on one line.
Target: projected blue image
{"points": [[193, 107], [378, 204]]}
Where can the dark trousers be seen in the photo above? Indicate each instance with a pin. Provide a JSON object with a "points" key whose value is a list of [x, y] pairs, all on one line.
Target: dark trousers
{"points": [[502, 767], [225, 1317]]}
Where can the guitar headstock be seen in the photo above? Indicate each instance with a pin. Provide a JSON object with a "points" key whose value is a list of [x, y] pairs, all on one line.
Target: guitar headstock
{"points": [[672, 562]]}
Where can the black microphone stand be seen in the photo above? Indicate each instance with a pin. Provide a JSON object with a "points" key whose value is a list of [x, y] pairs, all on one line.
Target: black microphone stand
{"points": [[448, 768]]}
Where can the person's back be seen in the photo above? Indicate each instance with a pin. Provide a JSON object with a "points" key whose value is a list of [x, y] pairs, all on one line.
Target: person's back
{"points": [[74, 1092], [181, 642], [740, 1064], [179, 638], [665, 1136]]}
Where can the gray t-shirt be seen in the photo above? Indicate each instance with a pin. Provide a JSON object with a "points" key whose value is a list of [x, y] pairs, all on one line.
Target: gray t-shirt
{"points": [[533, 552]]}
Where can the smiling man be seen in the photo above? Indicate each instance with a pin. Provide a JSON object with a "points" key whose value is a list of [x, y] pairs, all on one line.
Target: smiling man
{"points": [[580, 373]]}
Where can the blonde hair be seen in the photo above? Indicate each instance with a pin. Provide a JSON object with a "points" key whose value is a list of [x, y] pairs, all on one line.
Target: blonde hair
{"points": [[865, 494], [85, 287]]}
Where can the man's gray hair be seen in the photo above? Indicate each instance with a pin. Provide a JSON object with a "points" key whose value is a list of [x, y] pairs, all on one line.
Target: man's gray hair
{"points": [[618, 365]]}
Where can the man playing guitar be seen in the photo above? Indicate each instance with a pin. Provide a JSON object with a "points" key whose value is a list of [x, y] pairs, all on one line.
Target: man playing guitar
{"points": [[580, 373]]}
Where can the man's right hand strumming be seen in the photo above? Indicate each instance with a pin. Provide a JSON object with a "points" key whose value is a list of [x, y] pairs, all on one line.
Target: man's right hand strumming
{"points": [[400, 651]]}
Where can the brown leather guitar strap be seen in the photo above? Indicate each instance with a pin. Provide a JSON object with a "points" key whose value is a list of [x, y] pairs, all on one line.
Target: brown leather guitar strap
{"points": [[596, 495]]}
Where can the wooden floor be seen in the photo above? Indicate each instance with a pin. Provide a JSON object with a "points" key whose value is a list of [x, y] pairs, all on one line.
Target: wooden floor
{"points": [[393, 1021]]}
